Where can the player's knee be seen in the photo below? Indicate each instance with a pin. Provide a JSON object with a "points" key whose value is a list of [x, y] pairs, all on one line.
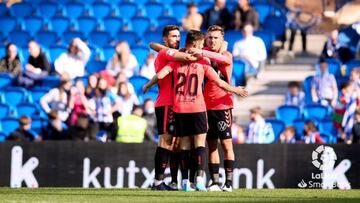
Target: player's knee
{"points": [[166, 141]]}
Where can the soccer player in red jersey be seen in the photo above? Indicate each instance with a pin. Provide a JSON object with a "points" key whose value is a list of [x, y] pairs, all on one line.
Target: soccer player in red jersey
{"points": [[189, 106], [164, 102]]}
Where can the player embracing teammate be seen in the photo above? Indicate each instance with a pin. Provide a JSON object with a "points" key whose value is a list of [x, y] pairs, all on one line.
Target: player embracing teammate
{"points": [[190, 110]]}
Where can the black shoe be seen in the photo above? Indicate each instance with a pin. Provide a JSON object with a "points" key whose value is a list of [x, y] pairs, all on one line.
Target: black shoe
{"points": [[162, 186]]}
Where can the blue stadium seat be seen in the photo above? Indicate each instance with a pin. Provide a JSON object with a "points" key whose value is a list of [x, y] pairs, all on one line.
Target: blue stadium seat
{"points": [[287, 114], [307, 89], [154, 36], [231, 6], [238, 73], [179, 10], [9, 125], [108, 52], [2, 137], [263, 10], [33, 24], [138, 82], [130, 37], [140, 24], [154, 9], [99, 38], [60, 24], [24, 54], [315, 111], [38, 124], [278, 127], [74, 9], [326, 137], [204, 5], [101, 9], [14, 95], [46, 38], [334, 67], [47, 9], [140, 53], [8, 24], [26, 109], [3, 9], [5, 111], [69, 36], [162, 21], [327, 126], [50, 81], [112, 25], [279, 29], [299, 124], [95, 66], [232, 36], [128, 9], [20, 38], [21, 10], [351, 65], [152, 94], [5, 80], [36, 93], [56, 51], [268, 38], [86, 24]]}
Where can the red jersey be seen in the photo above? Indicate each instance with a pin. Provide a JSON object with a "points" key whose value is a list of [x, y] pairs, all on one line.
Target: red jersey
{"points": [[164, 97], [215, 97], [188, 79]]}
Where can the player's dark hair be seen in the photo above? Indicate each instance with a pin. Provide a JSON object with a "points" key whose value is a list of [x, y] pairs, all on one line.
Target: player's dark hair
{"points": [[213, 28], [167, 29], [294, 84], [193, 36]]}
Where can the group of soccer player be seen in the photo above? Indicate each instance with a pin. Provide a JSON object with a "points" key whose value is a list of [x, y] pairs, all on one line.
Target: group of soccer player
{"points": [[188, 113]]}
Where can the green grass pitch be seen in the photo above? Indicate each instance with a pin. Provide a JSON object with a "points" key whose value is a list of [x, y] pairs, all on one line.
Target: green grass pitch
{"points": [[76, 195]]}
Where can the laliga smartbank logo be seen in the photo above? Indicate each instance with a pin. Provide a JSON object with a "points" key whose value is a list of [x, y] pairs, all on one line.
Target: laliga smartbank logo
{"points": [[324, 158]]}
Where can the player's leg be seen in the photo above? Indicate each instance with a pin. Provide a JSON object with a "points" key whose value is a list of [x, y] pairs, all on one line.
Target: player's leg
{"points": [[200, 153], [163, 151], [214, 164], [229, 160], [193, 165], [174, 163], [185, 158]]}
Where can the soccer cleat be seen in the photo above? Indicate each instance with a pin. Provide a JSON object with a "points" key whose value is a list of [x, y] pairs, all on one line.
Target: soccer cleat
{"points": [[185, 186], [227, 188], [214, 188], [162, 187], [173, 186]]}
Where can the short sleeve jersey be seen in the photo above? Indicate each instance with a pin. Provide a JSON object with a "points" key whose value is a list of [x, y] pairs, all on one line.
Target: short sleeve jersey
{"points": [[188, 80], [215, 97], [164, 97]]}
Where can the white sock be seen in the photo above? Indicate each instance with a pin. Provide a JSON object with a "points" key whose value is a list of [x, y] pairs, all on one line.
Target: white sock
{"points": [[157, 182]]}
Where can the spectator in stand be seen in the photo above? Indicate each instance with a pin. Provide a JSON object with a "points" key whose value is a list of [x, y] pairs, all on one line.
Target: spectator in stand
{"points": [[78, 103], [128, 99], [237, 132], [355, 80], [245, 14], [91, 86], [355, 138], [131, 128], [56, 129], [251, 49], [57, 98], [148, 69], [82, 130], [74, 61], [344, 112], [311, 134], [24, 132], [149, 116], [295, 96], [259, 132], [10, 63], [123, 60], [103, 105], [217, 15], [122, 78], [288, 135], [193, 19], [323, 87], [333, 49], [37, 68]]}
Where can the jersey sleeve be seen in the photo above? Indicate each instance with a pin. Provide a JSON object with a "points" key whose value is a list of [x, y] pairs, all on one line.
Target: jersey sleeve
{"points": [[217, 57], [167, 54], [210, 73]]}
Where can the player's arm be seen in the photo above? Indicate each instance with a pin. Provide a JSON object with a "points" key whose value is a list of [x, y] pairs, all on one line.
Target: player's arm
{"points": [[211, 75], [213, 56], [176, 56], [160, 75]]}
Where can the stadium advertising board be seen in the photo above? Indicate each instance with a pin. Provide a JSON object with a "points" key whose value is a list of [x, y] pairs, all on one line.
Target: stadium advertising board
{"points": [[112, 165]]}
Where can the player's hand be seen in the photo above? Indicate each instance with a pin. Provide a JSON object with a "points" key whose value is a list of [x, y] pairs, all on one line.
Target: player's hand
{"points": [[196, 52], [145, 88], [241, 91]]}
